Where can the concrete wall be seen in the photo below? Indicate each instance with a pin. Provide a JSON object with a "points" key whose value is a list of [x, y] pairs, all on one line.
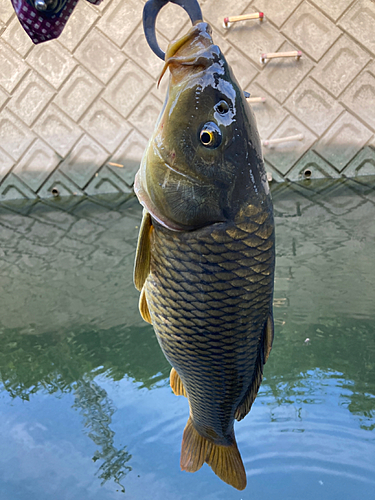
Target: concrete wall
{"points": [[70, 107]]}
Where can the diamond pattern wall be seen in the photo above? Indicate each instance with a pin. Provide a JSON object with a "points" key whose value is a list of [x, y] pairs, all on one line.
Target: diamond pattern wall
{"points": [[76, 113]]}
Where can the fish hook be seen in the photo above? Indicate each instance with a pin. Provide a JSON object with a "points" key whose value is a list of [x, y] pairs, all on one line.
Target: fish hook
{"points": [[152, 9]]}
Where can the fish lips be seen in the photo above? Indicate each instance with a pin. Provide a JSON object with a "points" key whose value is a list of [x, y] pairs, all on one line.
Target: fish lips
{"points": [[192, 53]]}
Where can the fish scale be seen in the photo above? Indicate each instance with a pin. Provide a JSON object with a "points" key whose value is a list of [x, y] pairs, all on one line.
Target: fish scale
{"points": [[187, 343]]}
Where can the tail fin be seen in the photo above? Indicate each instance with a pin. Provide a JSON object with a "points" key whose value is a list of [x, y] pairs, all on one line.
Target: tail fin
{"points": [[193, 449], [225, 461]]}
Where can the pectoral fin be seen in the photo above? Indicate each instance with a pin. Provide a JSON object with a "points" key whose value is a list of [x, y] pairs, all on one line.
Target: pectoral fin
{"points": [[245, 406], [176, 384], [143, 254]]}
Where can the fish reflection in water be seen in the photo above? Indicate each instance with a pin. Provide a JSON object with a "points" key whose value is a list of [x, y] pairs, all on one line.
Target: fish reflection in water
{"points": [[205, 257]]}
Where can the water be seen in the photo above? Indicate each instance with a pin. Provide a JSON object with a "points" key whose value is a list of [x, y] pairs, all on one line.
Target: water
{"points": [[85, 405]]}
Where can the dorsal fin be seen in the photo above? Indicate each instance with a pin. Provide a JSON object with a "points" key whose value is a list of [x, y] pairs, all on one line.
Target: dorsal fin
{"points": [[143, 253], [245, 406]]}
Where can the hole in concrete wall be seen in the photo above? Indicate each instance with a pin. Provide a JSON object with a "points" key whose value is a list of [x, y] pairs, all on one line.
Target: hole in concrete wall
{"points": [[55, 191], [307, 173]]}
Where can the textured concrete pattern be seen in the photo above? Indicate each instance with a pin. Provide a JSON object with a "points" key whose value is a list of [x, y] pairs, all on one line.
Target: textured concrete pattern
{"points": [[76, 113]]}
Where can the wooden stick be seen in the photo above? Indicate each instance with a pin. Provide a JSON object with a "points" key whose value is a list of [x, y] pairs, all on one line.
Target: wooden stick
{"points": [[256, 99], [271, 142], [116, 165], [275, 55], [244, 17]]}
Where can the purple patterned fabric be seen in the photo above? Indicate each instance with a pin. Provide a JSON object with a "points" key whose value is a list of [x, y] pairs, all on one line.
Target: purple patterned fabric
{"points": [[42, 26]]}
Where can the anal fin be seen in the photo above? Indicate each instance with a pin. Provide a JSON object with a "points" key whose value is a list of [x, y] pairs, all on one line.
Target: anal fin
{"points": [[225, 461], [245, 406], [143, 306], [176, 384]]}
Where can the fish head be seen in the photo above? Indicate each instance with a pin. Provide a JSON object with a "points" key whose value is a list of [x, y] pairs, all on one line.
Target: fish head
{"points": [[204, 159]]}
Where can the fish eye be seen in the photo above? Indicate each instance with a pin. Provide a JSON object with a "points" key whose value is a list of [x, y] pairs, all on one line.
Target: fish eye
{"points": [[222, 107], [207, 137], [210, 135]]}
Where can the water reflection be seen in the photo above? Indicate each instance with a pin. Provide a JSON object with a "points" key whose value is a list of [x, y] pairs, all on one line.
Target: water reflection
{"points": [[339, 353], [325, 293], [97, 409], [62, 363], [69, 326], [56, 362]]}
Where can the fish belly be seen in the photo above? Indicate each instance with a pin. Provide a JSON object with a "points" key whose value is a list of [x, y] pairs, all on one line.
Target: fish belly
{"points": [[209, 293]]}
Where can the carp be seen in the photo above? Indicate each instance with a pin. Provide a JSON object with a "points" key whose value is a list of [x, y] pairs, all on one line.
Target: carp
{"points": [[206, 252]]}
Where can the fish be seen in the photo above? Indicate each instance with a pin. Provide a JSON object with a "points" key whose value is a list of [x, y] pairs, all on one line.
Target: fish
{"points": [[205, 257]]}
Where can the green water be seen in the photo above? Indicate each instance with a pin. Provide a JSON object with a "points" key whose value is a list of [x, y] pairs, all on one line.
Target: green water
{"points": [[86, 410]]}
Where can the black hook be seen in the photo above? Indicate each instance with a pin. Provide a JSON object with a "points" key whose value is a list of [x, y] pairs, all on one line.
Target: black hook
{"points": [[152, 9]]}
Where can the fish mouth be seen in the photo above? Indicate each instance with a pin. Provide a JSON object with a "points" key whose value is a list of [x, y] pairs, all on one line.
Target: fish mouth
{"points": [[186, 51]]}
